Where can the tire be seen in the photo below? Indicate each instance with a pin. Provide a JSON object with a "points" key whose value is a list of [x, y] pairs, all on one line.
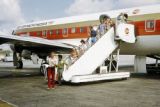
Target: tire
{"points": [[19, 65]]}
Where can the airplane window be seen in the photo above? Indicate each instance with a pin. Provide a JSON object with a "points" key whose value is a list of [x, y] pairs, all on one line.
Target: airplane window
{"points": [[44, 33], [57, 32], [73, 30], [39, 33], [65, 31], [150, 24], [51, 32], [81, 29]]}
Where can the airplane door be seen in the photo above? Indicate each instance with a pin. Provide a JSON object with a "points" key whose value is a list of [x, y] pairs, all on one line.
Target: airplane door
{"points": [[65, 32], [150, 25]]}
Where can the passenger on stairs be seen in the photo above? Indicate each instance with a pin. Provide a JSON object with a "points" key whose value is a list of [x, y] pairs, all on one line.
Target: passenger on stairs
{"points": [[76, 51], [109, 24], [83, 47], [88, 42], [71, 59], [122, 18], [93, 35], [102, 27]]}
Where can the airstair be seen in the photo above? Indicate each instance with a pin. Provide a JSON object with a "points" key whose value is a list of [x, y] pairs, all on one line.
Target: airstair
{"points": [[84, 69]]}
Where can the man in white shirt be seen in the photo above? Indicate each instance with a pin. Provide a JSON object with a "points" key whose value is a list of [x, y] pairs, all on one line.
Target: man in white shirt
{"points": [[53, 62]]}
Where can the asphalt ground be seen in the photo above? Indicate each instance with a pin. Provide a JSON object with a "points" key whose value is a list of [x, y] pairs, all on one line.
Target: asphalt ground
{"points": [[27, 88]]}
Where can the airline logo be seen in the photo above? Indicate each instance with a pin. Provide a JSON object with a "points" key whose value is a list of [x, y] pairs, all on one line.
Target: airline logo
{"points": [[126, 31], [36, 25]]}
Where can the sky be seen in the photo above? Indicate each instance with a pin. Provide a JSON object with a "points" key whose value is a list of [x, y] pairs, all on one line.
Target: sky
{"points": [[16, 12]]}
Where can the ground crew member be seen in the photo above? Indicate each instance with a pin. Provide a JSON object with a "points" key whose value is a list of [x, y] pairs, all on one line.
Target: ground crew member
{"points": [[83, 47]]}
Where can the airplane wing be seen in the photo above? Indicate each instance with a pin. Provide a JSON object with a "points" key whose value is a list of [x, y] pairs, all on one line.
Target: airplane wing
{"points": [[40, 46], [31, 41]]}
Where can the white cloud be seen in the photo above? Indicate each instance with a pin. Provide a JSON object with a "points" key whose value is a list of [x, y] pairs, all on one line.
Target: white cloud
{"points": [[131, 3], [10, 14], [91, 6], [88, 6]]}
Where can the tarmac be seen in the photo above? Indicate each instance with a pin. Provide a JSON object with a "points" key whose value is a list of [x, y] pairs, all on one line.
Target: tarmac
{"points": [[27, 88]]}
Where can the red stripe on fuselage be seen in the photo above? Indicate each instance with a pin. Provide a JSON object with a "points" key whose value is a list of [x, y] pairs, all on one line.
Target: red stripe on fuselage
{"points": [[139, 29]]}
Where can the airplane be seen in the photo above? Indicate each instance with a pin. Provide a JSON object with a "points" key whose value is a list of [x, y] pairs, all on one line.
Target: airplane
{"points": [[61, 35]]}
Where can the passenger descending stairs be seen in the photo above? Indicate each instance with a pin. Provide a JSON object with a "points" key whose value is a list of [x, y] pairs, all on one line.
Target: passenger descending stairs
{"points": [[93, 57], [83, 69]]}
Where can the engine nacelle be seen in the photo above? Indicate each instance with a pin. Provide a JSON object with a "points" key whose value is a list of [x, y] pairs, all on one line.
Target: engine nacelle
{"points": [[26, 54], [35, 58]]}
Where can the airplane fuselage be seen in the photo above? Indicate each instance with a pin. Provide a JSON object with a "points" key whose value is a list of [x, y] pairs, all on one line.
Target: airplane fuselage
{"points": [[71, 30]]}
